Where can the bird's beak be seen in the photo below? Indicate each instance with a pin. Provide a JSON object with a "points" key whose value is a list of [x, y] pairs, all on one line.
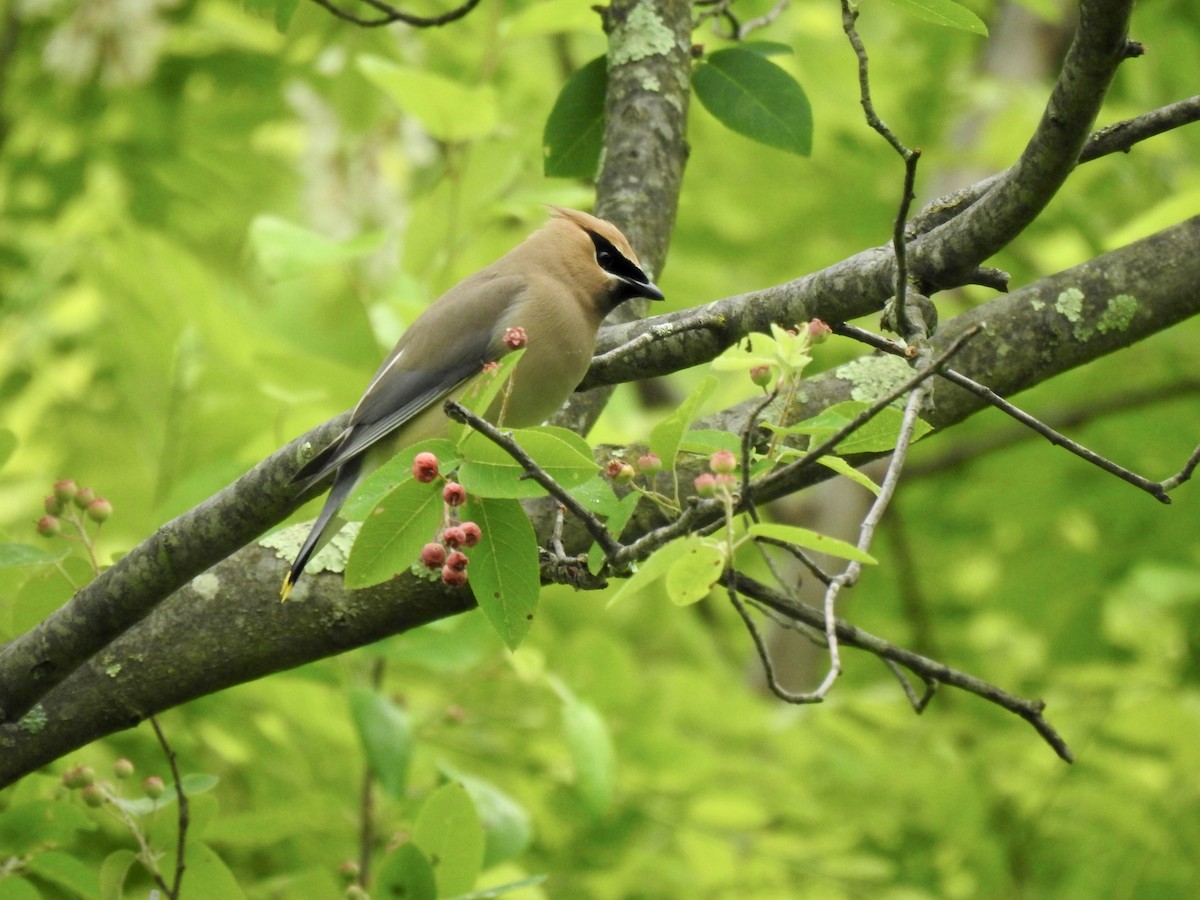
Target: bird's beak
{"points": [[647, 289]]}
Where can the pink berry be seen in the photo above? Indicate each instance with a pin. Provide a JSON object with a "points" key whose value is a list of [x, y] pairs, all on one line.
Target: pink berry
{"points": [[453, 537], [48, 526], [99, 510], [723, 462], [761, 375], [425, 467], [705, 484], [454, 494], [649, 463], [154, 787], [65, 490], [433, 555], [515, 338], [454, 577], [457, 560], [818, 331], [83, 497], [472, 534]]}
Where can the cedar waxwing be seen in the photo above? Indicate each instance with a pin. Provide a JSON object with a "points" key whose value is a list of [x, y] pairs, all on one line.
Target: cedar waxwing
{"points": [[557, 285]]}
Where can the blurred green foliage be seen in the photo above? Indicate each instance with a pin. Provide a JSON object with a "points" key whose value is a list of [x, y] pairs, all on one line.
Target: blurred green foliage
{"points": [[211, 232]]}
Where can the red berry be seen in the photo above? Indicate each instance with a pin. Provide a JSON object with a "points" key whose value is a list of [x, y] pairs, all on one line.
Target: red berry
{"points": [[454, 577], [472, 534], [454, 494], [515, 338], [453, 537], [433, 555], [619, 471], [99, 510], [425, 467], [48, 526], [457, 560], [818, 331]]}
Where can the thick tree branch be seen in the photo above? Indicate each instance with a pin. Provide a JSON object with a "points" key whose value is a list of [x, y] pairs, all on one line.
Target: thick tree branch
{"points": [[226, 626]]}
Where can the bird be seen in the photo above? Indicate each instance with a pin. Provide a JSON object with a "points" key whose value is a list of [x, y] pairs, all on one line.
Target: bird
{"points": [[557, 285]]}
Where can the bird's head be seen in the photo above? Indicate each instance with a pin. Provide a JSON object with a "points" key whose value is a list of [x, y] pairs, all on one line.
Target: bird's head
{"points": [[599, 256]]}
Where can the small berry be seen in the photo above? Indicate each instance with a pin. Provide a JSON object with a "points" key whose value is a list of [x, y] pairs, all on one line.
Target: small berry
{"points": [[83, 497], [620, 471], [649, 464], [726, 479], [425, 467], [457, 560], [761, 375], [99, 510], [53, 505], [79, 777], [48, 526], [723, 462], [123, 768], [818, 331], [705, 484], [154, 787], [489, 367], [454, 577], [472, 534], [454, 494], [453, 537], [433, 555], [515, 338], [349, 870], [65, 490], [93, 796]]}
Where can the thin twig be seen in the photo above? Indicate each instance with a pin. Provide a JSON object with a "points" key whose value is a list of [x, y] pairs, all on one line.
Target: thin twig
{"points": [[184, 812], [391, 15], [918, 703], [658, 333], [611, 547], [1156, 489], [923, 667], [366, 813]]}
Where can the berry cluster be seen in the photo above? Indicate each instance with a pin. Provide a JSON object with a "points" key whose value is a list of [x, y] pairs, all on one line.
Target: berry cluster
{"points": [[69, 500], [621, 472], [446, 553], [97, 793], [723, 464]]}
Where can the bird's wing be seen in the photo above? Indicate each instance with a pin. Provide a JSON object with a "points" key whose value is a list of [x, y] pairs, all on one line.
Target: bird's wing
{"points": [[403, 387]]}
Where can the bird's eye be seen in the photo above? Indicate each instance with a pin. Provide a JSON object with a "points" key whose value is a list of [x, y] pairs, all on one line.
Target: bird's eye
{"points": [[605, 258]]}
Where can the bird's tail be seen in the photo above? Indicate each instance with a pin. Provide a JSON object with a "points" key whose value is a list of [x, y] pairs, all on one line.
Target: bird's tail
{"points": [[326, 525]]}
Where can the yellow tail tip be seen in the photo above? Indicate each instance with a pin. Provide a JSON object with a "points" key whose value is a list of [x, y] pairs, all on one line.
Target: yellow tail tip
{"points": [[288, 584]]}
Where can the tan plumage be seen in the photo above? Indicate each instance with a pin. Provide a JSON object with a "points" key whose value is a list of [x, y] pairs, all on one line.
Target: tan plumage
{"points": [[557, 285]]}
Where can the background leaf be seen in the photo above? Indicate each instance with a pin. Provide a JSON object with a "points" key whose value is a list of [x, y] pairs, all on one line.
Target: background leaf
{"points": [[574, 130], [386, 737], [503, 572], [944, 12], [449, 834]]}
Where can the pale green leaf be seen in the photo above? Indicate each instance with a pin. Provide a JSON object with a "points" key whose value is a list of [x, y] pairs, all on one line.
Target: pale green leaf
{"points": [[667, 435], [449, 834], [839, 465], [406, 873], [489, 471], [392, 536], [810, 540], [286, 250], [592, 752], [392, 474], [946, 13], [449, 110], [16, 556], [649, 571], [693, 574], [113, 872]]}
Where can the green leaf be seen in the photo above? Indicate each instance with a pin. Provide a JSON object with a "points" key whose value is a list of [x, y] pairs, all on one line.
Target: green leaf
{"points": [[449, 110], [651, 570], [592, 752], [406, 873], [392, 474], [286, 250], [614, 523], [944, 12], [489, 471], [503, 572], [693, 574], [391, 538], [386, 737], [810, 540], [17, 556], [839, 465], [507, 825], [766, 48], [113, 872], [24, 826], [284, 10], [481, 391], [574, 132], [751, 95], [875, 436], [67, 872], [548, 17], [207, 874], [667, 436], [448, 832], [17, 888], [8, 443], [707, 441], [193, 784]]}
